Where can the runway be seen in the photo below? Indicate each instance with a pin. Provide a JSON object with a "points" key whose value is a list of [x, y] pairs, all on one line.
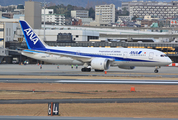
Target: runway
{"points": [[113, 100], [89, 81], [75, 118]]}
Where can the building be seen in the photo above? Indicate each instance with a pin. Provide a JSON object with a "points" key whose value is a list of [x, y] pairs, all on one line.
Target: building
{"points": [[86, 21], [79, 14], [148, 17], [76, 21], [20, 9], [104, 15], [146, 23], [161, 10], [51, 18], [51, 34], [47, 11], [7, 15], [7, 30], [19, 16], [33, 14], [0, 14], [124, 18]]}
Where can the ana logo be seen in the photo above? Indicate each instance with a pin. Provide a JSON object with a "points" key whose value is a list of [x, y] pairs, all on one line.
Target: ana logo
{"points": [[135, 52], [32, 35]]}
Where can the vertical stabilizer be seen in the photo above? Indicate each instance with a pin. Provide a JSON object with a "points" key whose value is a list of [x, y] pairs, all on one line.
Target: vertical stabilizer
{"points": [[32, 39]]}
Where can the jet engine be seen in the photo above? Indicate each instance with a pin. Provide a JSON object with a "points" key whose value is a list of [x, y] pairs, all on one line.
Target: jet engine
{"points": [[100, 63], [127, 67]]}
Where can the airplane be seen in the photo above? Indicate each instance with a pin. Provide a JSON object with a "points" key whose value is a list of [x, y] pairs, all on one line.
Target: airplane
{"points": [[99, 59]]}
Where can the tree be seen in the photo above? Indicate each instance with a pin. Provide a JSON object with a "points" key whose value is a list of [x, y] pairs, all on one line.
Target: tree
{"points": [[92, 13], [55, 8], [69, 7], [62, 9], [134, 17]]}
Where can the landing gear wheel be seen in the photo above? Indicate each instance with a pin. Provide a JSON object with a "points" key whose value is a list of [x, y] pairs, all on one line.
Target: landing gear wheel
{"points": [[156, 71], [86, 69]]}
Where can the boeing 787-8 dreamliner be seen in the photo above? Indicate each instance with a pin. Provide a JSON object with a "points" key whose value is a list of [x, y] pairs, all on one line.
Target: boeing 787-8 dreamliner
{"points": [[97, 58]]}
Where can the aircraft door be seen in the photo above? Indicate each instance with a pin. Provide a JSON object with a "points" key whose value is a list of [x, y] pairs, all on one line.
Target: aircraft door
{"points": [[78, 52], [151, 54], [125, 54]]}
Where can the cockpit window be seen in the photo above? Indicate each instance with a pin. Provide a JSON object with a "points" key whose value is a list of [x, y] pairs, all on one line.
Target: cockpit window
{"points": [[163, 55]]}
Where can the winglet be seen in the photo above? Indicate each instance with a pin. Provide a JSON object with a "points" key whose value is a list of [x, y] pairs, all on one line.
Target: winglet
{"points": [[32, 39]]}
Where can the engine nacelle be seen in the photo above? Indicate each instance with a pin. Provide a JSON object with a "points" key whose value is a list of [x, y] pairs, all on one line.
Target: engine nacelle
{"points": [[127, 67], [100, 63]]}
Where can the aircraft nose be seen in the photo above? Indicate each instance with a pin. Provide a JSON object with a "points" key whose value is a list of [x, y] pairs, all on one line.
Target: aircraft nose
{"points": [[169, 61]]}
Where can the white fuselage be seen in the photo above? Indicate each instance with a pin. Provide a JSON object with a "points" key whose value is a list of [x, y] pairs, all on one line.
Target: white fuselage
{"points": [[121, 56]]}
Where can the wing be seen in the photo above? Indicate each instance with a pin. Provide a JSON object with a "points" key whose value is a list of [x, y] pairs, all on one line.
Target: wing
{"points": [[22, 51], [83, 57], [69, 54]]}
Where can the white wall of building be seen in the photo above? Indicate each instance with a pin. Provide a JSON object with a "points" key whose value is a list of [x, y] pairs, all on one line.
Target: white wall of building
{"points": [[105, 13], [9, 30], [86, 21], [77, 35], [50, 17], [79, 13], [47, 11], [162, 10]]}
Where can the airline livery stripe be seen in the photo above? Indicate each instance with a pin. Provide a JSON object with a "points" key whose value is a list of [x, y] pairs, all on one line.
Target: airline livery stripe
{"points": [[91, 55]]}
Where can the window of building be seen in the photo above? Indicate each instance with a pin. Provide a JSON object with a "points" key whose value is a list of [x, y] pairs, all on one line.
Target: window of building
{"points": [[6, 31], [9, 32]]}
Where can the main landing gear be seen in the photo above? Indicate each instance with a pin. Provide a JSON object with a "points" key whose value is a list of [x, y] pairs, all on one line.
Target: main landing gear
{"points": [[86, 69], [156, 69], [99, 70], [89, 70]]}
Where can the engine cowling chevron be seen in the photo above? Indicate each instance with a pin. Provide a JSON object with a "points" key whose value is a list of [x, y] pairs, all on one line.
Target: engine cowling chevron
{"points": [[100, 63]]}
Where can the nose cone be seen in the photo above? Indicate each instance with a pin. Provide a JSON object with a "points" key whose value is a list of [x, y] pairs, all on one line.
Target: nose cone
{"points": [[169, 61]]}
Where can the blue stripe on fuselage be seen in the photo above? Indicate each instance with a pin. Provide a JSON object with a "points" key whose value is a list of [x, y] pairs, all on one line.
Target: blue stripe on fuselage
{"points": [[91, 55], [32, 51]]}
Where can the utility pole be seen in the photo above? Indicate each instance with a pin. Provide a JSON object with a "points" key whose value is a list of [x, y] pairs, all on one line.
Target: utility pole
{"points": [[44, 22], [44, 39]]}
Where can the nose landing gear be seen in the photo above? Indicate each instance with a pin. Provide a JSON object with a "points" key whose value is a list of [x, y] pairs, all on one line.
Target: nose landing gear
{"points": [[156, 69]]}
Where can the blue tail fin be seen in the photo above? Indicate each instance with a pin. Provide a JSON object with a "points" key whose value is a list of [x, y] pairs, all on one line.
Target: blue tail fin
{"points": [[32, 39]]}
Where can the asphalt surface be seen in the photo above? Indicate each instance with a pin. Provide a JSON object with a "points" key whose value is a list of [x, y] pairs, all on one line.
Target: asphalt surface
{"points": [[75, 118], [51, 70], [65, 70], [113, 100], [89, 81]]}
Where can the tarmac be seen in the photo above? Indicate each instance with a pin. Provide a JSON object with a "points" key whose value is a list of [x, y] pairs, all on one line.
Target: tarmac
{"points": [[10, 70], [66, 70], [74, 118]]}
